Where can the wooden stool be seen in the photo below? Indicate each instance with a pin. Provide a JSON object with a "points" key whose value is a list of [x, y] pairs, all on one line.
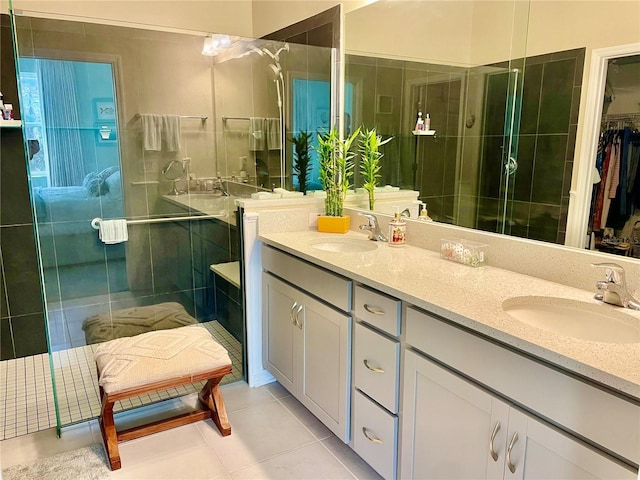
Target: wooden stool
{"points": [[154, 361]]}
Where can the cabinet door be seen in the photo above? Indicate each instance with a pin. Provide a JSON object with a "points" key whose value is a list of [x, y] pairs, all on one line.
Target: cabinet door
{"points": [[541, 452], [450, 426], [279, 345], [326, 361]]}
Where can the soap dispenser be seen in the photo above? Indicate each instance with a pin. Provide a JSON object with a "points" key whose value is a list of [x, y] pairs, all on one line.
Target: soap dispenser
{"points": [[424, 216], [420, 122], [397, 230]]}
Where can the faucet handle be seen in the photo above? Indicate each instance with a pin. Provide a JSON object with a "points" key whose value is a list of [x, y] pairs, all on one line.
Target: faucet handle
{"points": [[612, 271]]}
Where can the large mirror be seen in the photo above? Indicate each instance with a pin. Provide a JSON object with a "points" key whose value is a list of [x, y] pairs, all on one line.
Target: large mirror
{"points": [[505, 86]]}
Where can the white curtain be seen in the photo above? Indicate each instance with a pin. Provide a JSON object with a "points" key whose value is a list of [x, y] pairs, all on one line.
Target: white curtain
{"points": [[61, 122]]}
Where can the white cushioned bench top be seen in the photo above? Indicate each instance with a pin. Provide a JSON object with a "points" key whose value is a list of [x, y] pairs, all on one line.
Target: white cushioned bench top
{"points": [[155, 356]]}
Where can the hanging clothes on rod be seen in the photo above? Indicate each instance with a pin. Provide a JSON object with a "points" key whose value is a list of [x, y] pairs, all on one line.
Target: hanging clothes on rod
{"points": [[617, 196]]}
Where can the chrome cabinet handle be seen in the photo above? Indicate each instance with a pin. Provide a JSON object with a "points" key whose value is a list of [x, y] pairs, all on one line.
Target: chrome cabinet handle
{"points": [[514, 439], [494, 454], [369, 437], [373, 309], [293, 320], [298, 323], [373, 369]]}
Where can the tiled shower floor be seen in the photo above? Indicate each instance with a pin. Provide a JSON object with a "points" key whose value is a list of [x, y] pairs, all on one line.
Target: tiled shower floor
{"points": [[26, 401]]}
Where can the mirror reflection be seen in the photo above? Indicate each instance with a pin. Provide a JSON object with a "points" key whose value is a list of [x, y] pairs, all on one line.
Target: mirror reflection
{"points": [[506, 100]]}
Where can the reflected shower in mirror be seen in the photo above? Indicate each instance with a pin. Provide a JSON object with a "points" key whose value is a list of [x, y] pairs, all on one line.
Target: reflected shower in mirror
{"points": [[460, 69]]}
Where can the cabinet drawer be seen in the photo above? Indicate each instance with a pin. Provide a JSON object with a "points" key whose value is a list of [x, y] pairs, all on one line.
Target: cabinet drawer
{"points": [[375, 434], [376, 361], [331, 288], [377, 309]]}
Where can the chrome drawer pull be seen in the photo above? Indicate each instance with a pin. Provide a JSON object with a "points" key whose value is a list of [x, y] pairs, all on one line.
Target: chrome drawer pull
{"points": [[374, 310], [514, 439], [373, 369], [494, 454], [298, 315], [293, 307], [369, 437]]}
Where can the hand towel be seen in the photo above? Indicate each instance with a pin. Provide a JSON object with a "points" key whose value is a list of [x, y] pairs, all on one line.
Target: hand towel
{"points": [[273, 134], [151, 132], [113, 231], [256, 134], [171, 132]]}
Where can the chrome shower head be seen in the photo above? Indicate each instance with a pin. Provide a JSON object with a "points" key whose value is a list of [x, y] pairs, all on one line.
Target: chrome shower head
{"points": [[254, 49]]}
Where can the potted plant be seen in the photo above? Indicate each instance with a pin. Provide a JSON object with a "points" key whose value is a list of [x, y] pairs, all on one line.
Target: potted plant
{"points": [[336, 168], [370, 143], [301, 161]]}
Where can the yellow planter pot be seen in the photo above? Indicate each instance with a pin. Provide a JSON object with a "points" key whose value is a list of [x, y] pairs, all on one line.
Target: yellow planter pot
{"points": [[334, 224]]}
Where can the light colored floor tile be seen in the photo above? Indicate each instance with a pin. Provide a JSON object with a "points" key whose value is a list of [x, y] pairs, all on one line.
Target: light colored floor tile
{"points": [[240, 395], [277, 390], [154, 447], [305, 417], [350, 459], [309, 462], [45, 443], [257, 433], [174, 454]]}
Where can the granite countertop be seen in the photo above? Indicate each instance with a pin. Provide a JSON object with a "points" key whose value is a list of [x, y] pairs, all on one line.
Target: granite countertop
{"points": [[473, 297]]}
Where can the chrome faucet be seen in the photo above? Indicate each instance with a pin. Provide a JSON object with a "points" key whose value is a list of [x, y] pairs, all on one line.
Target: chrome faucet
{"points": [[219, 185], [373, 227], [614, 287]]}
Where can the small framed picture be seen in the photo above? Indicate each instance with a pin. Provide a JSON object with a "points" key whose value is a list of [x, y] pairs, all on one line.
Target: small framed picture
{"points": [[104, 109]]}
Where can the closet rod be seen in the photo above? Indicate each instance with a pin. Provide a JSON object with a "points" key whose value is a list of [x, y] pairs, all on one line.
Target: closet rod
{"points": [[95, 223]]}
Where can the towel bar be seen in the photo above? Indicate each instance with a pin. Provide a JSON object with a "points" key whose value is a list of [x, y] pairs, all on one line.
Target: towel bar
{"points": [[96, 221]]}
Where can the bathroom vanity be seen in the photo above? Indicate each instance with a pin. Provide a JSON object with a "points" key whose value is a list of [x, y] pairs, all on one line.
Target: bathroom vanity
{"points": [[413, 361]]}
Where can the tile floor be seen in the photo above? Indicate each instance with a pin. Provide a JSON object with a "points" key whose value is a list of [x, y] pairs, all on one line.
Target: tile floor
{"points": [[273, 437], [26, 408]]}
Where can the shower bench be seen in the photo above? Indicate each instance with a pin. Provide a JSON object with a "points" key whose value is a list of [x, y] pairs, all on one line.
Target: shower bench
{"points": [[155, 361]]}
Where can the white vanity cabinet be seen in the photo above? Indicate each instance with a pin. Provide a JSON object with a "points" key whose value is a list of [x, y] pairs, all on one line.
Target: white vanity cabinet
{"points": [[454, 428], [307, 345]]}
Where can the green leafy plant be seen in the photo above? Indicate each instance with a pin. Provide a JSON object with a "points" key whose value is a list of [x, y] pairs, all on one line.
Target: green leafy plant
{"points": [[370, 143], [302, 160], [336, 168]]}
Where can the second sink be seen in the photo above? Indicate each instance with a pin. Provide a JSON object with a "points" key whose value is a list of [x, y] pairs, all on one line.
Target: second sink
{"points": [[572, 318]]}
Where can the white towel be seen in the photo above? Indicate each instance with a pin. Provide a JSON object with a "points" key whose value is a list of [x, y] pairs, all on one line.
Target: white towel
{"points": [[151, 132], [113, 231], [273, 134], [256, 134], [171, 132]]}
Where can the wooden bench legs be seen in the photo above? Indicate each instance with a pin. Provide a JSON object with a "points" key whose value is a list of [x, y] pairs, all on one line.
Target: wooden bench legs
{"points": [[210, 398], [211, 405]]}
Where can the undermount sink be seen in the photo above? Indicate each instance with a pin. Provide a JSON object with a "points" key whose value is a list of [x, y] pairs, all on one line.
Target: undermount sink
{"points": [[573, 318], [345, 245]]}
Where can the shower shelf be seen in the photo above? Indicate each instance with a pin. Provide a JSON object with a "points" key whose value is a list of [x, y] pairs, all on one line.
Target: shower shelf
{"points": [[419, 133], [10, 123]]}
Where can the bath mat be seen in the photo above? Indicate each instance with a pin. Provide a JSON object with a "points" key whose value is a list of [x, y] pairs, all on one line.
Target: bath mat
{"points": [[88, 463]]}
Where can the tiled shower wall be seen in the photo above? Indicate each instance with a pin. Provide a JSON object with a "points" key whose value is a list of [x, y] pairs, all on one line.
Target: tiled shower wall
{"points": [[391, 91], [22, 325], [548, 126]]}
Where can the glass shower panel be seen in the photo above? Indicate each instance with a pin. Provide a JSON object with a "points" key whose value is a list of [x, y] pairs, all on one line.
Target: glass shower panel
{"points": [[460, 69], [110, 111], [291, 94]]}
